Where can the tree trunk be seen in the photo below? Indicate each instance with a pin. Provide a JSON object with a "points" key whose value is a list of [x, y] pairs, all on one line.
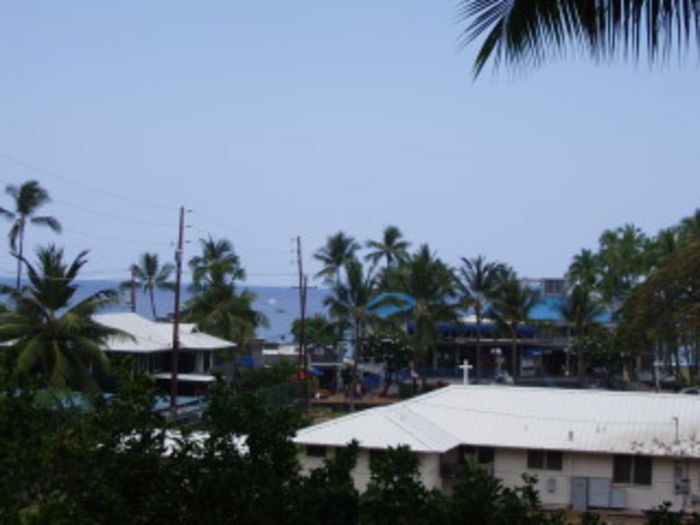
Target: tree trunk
{"points": [[477, 363], [514, 354], [153, 303], [356, 357], [20, 253]]}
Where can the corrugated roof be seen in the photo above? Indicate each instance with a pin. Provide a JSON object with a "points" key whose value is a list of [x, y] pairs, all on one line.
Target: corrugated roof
{"points": [[524, 417], [150, 336]]}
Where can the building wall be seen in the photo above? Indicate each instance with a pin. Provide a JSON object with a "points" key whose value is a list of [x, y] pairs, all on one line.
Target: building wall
{"points": [[554, 486], [511, 463]]}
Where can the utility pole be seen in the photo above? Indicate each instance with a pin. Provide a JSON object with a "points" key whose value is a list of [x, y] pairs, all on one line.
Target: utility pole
{"points": [[303, 354], [176, 315], [302, 308]]}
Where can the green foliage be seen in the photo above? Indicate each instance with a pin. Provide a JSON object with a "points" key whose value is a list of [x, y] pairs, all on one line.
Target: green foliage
{"points": [[527, 33], [317, 329], [395, 493], [663, 515], [149, 274], [430, 282], [338, 250], [48, 334], [216, 306], [328, 494], [27, 199]]}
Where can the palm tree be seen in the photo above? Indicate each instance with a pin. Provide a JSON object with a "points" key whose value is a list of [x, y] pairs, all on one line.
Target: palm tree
{"points": [[349, 301], [584, 270], [579, 311], [226, 313], [430, 282], [476, 282], [216, 306], [623, 262], [526, 32], [28, 198], [217, 264], [338, 250], [57, 340], [151, 275], [391, 248], [511, 305]]}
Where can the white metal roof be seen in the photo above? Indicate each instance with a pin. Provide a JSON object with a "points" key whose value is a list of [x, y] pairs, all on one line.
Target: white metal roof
{"points": [[151, 336], [524, 417]]}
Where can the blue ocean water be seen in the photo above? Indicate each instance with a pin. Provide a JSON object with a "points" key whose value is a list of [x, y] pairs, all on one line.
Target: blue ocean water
{"points": [[280, 304]]}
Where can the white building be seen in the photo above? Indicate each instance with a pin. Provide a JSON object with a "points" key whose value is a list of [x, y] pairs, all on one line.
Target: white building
{"points": [[588, 449], [151, 346]]}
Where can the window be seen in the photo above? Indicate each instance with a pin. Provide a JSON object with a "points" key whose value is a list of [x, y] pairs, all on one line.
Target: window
{"points": [[483, 455], [544, 459], [315, 451], [633, 470]]}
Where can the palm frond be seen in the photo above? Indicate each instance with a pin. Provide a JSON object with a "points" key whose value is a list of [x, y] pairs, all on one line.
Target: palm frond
{"points": [[50, 222], [526, 32]]}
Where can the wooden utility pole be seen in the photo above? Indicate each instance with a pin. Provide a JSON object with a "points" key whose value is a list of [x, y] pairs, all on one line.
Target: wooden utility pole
{"points": [[176, 315], [303, 358]]}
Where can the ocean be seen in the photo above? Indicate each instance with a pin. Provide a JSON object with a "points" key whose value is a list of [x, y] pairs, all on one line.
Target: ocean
{"points": [[280, 304]]}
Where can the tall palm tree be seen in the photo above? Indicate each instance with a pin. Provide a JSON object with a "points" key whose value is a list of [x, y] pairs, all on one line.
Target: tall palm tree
{"points": [[430, 282], [579, 311], [217, 264], [527, 32], [216, 306], [391, 248], [476, 283], [584, 270], [338, 250], [511, 305], [151, 275], [623, 262], [28, 198], [54, 338], [350, 301]]}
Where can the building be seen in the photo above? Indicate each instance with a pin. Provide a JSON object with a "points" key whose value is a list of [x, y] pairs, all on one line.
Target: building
{"points": [[542, 343], [151, 344], [589, 449]]}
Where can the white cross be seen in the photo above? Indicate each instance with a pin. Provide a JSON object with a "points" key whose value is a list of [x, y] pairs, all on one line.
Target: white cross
{"points": [[466, 367]]}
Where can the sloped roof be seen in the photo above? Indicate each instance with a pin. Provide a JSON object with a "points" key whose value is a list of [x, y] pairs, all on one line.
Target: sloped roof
{"points": [[524, 417], [151, 336]]}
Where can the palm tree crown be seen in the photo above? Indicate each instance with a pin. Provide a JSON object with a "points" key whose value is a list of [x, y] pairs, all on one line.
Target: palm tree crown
{"points": [[338, 250], [217, 264], [151, 275], [61, 348], [391, 248], [28, 198]]}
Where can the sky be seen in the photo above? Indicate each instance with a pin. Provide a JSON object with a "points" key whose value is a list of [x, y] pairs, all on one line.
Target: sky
{"points": [[276, 119]]}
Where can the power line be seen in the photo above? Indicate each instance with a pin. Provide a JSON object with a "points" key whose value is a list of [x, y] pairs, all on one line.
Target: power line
{"points": [[112, 215], [114, 239], [67, 180]]}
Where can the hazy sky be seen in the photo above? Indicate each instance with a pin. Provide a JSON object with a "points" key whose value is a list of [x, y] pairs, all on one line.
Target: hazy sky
{"points": [[273, 119]]}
